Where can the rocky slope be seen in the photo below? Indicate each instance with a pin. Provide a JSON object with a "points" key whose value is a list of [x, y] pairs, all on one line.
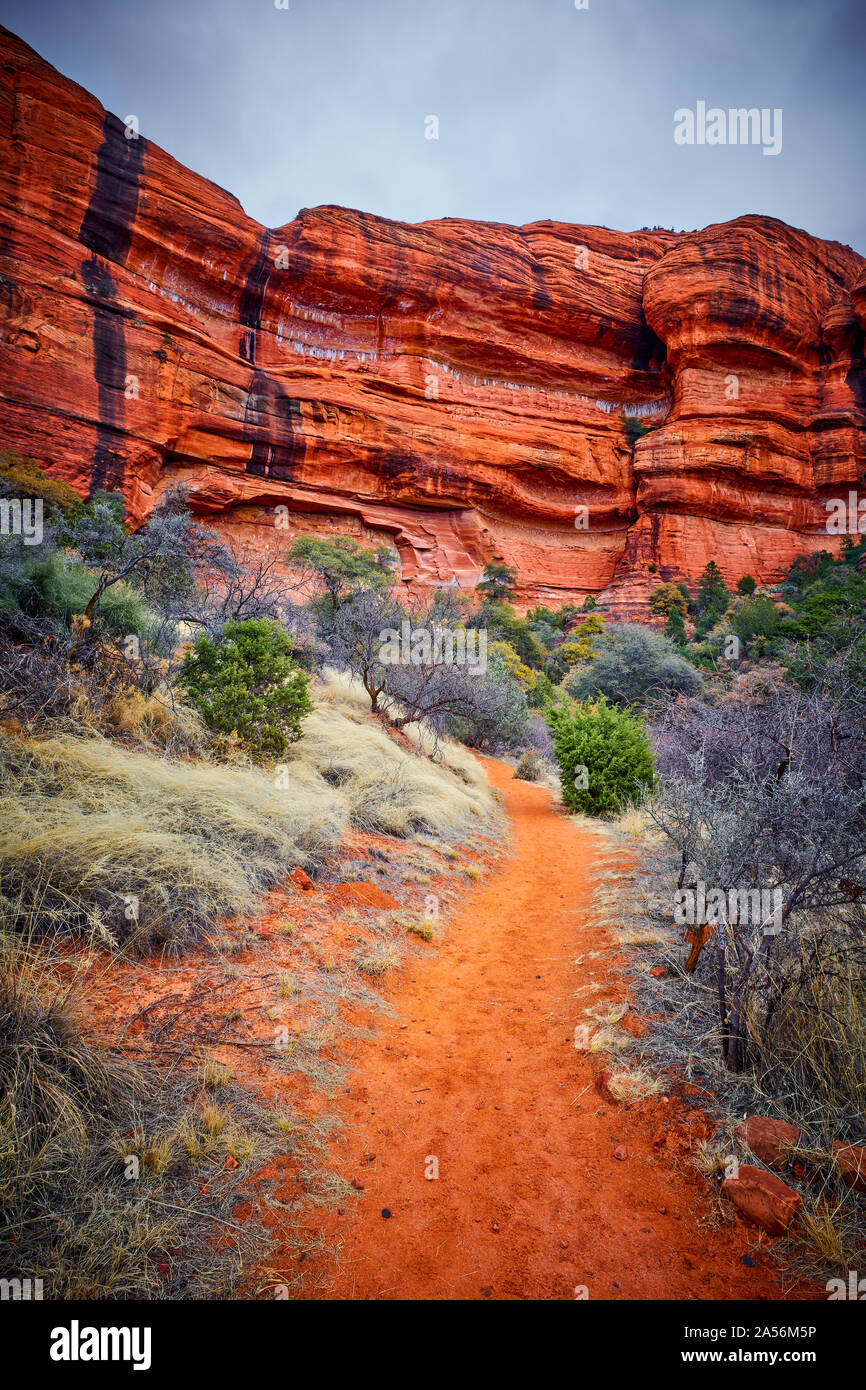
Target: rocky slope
{"points": [[455, 388]]}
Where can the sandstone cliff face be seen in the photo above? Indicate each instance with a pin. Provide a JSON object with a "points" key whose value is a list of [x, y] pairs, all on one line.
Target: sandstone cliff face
{"points": [[454, 388]]}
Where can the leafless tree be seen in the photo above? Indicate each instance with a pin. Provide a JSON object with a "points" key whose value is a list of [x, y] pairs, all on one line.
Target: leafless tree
{"points": [[765, 792]]}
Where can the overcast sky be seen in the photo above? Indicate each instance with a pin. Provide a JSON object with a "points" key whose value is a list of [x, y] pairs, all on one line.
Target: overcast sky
{"points": [[544, 110]]}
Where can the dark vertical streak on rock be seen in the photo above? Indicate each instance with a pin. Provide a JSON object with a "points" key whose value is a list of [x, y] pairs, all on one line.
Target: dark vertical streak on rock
{"points": [[270, 417], [106, 230]]}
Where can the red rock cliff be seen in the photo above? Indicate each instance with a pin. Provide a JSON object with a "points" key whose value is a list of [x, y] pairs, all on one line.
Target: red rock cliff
{"points": [[456, 388]]}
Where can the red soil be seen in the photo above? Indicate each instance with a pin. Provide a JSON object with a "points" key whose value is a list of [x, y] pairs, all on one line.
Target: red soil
{"points": [[546, 1185], [545, 1189]]}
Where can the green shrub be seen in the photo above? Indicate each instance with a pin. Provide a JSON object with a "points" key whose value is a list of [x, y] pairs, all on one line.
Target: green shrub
{"points": [[497, 583], [246, 682], [66, 589], [23, 477], [634, 429], [712, 598], [755, 618], [675, 629], [666, 598], [632, 666], [604, 758]]}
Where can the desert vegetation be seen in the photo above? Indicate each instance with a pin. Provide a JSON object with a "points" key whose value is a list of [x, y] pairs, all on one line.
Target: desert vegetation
{"points": [[174, 745], [756, 822], [186, 727]]}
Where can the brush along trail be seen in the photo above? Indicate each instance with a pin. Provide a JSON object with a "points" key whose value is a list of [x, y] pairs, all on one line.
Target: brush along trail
{"points": [[545, 1189]]}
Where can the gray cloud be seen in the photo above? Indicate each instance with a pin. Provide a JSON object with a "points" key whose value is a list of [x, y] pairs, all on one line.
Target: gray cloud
{"points": [[545, 111]]}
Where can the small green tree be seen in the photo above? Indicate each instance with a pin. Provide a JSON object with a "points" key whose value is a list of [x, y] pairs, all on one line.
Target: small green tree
{"points": [[246, 682], [497, 583], [341, 568], [747, 585], [712, 591], [603, 754], [633, 429], [675, 628]]}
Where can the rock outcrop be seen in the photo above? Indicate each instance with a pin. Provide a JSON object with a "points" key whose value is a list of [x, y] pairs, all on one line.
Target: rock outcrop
{"points": [[465, 391]]}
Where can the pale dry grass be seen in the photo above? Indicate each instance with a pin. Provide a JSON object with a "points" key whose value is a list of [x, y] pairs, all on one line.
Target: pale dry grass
{"points": [[156, 719], [610, 1039], [383, 786], [133, 848], [96, 1186], [630, 1084]]}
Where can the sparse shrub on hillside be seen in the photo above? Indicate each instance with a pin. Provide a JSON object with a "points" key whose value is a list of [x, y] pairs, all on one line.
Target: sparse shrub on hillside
{"points": [[666, 598], [94, 607], [763, 791], [245, 682], [604, 757], [246, 584], [160, 558], [530, 767], [633, 666], [450, 678]]}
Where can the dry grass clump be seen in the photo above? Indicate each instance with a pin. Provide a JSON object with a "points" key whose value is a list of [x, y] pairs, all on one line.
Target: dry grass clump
{"points": [[631, 1084], [138, 849], [383, 786], [156, 720], [97, 1188], [148, 851], [214, 1075], [382, 957], [611, 1039]]}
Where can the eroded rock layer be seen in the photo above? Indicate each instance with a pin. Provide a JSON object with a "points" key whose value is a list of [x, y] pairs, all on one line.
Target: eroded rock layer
{"points": [[458, 389]]}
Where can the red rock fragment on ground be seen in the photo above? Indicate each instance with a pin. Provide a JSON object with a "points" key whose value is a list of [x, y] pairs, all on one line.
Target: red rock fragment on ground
{"points": [[602, 1082], [763, 1199], [851, 1162], [302, 880], [770, 1140]]}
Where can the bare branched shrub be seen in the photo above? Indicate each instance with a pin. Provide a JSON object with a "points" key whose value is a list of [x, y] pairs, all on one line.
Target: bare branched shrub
{"points": [[765, 793]]}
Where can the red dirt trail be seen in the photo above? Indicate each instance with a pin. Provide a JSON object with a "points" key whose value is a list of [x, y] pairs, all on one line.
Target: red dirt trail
{"points": [[479, 1070]]}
